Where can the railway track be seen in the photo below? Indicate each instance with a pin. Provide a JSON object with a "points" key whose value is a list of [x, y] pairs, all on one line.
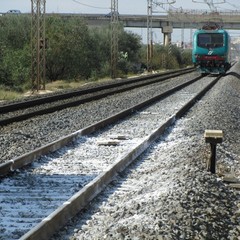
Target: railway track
{"points": [[26, 158], [21, 111], [112, 149]]}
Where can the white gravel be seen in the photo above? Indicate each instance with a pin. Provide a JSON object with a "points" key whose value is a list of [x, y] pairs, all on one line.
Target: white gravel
{"points": [[167, 193]]}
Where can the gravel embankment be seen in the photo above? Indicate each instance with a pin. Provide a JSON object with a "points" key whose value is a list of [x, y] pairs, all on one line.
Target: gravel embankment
{"points": [[19, 138], [168, 194]]}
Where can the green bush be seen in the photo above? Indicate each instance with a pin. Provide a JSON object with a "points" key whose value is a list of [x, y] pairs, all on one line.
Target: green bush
{"points": [[74, 51]]}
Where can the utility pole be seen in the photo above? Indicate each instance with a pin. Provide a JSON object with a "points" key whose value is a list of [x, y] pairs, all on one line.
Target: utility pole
{"points": [[114, 38], [149, 35], [38, 44], [182, 38], [150, 5]]}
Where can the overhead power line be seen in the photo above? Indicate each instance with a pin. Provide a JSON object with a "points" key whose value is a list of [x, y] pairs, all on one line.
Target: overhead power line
{"points": [[89, 5], [233, 5], [164, 4], [210, 3]]}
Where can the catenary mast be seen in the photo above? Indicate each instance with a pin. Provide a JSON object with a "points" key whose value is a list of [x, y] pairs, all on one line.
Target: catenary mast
{"points": [[114, 37], [149, 35], [150, 5], [38, 44]]}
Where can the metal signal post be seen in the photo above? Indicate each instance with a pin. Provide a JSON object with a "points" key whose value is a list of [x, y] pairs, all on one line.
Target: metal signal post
{"points": [[38, 44]]}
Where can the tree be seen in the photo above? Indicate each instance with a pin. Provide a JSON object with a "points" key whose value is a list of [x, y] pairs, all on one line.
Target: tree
{"points": [[74, 51], [69, 49], [163, 59], [15, 57], [129, 51]]}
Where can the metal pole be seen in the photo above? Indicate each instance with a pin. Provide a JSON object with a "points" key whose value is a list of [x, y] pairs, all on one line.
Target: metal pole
{"points": [[149, 36], [38, 44], [182, 38], [114, 37]]}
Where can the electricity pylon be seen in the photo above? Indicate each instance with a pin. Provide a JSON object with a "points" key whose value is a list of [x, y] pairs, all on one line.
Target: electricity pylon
{"points": [[38, 44], [114, 37]]}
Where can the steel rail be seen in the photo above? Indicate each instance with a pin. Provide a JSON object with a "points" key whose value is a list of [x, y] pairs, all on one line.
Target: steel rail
{"points": [[43, 100], [22, 117], [27, 158], [59, 218]]}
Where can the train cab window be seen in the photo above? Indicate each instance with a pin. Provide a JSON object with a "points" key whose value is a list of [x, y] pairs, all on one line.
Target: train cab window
{"points": [[212, 40]]}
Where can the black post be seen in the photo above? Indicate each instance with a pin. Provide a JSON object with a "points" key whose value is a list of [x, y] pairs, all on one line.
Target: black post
{"points": [[213, 137], [213, 158]]}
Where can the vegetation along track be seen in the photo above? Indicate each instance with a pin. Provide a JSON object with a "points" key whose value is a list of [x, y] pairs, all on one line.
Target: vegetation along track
{"points": [[20, 111], [84, 167]]}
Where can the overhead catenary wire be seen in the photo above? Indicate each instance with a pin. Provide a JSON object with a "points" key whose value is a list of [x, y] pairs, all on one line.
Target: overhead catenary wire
{"points": [[114, 33], [210, 3], [233, 5], [87, 5]]}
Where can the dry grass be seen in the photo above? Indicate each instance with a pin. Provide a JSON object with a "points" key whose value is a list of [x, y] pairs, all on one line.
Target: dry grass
{"points": [[9, 95], [61, 84], [50, 87], [6, 95]]}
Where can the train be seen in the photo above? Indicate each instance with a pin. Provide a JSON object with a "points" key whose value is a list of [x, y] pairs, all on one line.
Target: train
{"points": [[211, 50]]}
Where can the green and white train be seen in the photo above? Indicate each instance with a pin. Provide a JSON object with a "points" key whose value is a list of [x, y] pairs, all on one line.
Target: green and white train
{"points": [[211, 50]]}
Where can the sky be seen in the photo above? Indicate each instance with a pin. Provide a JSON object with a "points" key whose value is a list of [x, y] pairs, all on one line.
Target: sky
{"points": [[103, 6], [124, 7]]}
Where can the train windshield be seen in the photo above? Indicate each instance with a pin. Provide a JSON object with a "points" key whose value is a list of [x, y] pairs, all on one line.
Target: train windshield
{"points": [[211, 40]]}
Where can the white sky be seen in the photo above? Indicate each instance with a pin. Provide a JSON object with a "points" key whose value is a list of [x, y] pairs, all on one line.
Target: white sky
{"points": [[103, 6], [124, 7]]}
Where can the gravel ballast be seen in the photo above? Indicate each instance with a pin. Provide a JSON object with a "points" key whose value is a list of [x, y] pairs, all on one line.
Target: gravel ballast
{"points": [[168, 193], [21, 137], [54, 178]]}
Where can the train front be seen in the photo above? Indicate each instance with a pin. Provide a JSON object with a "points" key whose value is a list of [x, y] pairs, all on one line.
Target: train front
{"points": [[211, 51]]}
